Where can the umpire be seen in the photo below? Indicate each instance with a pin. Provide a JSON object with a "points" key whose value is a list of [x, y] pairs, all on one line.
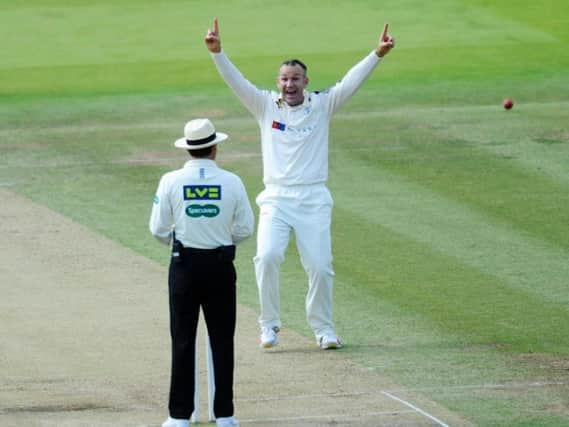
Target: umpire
{"points": [[203, 211]]}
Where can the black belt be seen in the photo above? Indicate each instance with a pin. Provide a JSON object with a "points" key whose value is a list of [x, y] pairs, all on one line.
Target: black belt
{"points": [[222, 253]]}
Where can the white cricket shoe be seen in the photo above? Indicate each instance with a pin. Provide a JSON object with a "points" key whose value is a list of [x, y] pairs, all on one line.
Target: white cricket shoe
{"points": [[227, 422], [175, 422], [329, 342], [269, 337]]}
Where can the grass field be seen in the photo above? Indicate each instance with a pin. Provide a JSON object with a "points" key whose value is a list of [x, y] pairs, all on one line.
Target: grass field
{"points": [[450, 228]]}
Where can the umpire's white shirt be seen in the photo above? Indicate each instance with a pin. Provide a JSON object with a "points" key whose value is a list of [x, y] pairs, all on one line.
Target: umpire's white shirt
{"points": [[294, 139], [207, 206]]}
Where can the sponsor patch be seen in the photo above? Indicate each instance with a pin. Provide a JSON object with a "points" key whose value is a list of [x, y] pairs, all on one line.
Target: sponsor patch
{"points": [[202, 192], [278, 125], [209, 211]]}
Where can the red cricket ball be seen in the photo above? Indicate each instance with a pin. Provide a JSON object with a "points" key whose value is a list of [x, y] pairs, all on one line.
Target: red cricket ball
{"points": [[508, 103]]}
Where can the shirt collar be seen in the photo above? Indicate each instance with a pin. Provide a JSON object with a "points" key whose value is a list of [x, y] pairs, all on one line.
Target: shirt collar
{"points": [[281, 102], [192, 163]]}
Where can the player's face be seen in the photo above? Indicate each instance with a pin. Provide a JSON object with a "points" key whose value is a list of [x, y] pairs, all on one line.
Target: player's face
{"points": [[291, 82]]}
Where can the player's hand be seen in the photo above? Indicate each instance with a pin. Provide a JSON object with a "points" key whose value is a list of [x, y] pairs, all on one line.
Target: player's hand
{"points": [[385, 43], [212, 40]]}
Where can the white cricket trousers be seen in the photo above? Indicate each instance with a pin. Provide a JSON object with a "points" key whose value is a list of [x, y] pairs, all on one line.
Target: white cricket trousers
{"points": [[306, 210]]}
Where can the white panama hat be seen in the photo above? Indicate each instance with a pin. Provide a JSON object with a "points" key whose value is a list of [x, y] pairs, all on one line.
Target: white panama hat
{"points": [[199, 133]]}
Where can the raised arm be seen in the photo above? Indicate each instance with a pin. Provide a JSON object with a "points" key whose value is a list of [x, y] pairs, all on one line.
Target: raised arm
{"points": [[212, 40], [354, 78], [385, 44], [251, 97]]}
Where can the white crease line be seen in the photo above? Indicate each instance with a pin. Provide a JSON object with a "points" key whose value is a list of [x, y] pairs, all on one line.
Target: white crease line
{"points": [[404, 390], [328, 416], [416, 409], [305, 396], [487, 386]]}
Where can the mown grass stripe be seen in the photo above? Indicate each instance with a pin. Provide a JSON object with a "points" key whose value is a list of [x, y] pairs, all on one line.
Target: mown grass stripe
{"points": [[521, 261]]}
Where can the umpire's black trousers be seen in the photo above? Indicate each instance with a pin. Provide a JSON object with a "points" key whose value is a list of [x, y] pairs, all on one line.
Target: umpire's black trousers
{"points": [[202, 278]]}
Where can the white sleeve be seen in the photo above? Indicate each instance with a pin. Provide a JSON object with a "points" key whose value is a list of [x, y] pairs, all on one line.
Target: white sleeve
{"points": [[244, 220], [161, 218], [250, 96], [354, 78]]}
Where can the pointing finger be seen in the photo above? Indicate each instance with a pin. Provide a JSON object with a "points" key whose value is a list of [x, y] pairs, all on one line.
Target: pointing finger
{"points": [[215, 26], [384, 34]]}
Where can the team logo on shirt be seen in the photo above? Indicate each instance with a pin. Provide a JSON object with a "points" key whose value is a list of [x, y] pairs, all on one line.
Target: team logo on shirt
{"points": [[278, 125], [208, 211], [202, 192]]}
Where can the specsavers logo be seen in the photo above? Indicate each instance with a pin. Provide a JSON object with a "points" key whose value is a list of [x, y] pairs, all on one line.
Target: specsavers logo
{"points": [[208, 211]]}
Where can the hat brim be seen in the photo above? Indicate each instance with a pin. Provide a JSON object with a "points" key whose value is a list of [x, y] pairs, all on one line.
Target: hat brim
{"points": [[183, 143]]}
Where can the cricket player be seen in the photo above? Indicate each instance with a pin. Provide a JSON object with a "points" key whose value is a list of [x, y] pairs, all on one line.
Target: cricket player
{"points": [[294, 126], [202, 211]]}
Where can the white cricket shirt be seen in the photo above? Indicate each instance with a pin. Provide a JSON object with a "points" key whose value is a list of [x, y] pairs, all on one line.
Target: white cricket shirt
{"points": [[294, 140], [207, 206]]}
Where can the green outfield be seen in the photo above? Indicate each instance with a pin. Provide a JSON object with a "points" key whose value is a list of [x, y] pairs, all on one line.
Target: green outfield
{"points": [[450, 225]]}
